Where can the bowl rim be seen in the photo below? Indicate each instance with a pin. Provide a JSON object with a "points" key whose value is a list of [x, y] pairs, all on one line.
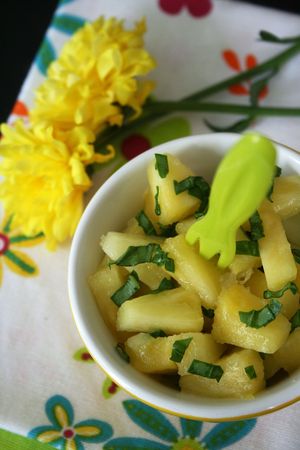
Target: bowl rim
{"points": [[88, 340]]}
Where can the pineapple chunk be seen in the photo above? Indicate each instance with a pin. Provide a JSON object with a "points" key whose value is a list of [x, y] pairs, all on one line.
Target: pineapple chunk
{"points": [[103, 284], [173, 207], [289, 301], [275, 250], [228, 328], [133, 227], [286, 196], [115, 244], [151, 355], [173, 311], [242, 266], [287, 357], [192, 271], [235, 383], [202, 347], [183, 226]]}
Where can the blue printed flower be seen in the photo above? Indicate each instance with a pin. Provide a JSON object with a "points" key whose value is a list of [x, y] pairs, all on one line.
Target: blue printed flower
{"points": [[63, 433], [156, 423]]}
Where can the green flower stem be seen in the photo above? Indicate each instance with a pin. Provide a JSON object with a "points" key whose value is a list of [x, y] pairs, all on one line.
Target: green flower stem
{"points": [[272, 63], [228, 108], [150, 113]]}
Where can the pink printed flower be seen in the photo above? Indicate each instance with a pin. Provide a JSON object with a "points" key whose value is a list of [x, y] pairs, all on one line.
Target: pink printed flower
{"points": [[197, 8]]}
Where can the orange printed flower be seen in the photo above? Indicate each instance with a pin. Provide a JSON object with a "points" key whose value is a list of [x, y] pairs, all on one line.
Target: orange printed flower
{"points": [[14, 259], [232, 60]]}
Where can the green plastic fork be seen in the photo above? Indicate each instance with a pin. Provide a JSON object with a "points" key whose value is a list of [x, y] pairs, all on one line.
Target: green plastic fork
{"points": [[242, 181]]}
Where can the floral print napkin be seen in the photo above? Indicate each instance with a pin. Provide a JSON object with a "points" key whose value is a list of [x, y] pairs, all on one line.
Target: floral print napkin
{"points": [[51, 390]]}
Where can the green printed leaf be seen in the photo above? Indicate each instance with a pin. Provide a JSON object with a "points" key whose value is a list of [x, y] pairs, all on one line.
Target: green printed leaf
{"points": [[127, 291], [247, 248], [204, 369], [226, 434], [22, 262], [261, 318], [135, 443], [67, 23], [7, 225], [257, 229], [145, 223], [83, 355], [277, 294], [109, 388], [146, 253], [45, 56], [157, 205], [179, 348], [250, 371], [151, 421], [161, 165], [295, 320], [22, 238]]}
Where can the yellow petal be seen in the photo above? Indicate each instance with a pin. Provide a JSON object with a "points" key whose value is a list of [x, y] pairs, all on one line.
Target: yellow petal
{"points": [[87, 430], [49, 436], [71, 445], [61, 416]]}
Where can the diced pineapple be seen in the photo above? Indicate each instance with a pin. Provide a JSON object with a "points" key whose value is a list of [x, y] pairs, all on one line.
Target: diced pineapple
{"points": [[173, 311], [133, 227], [115, 244], [103, 284], [287, 357], [202, 347], [192, 271], [151, 355], [286, 196], [183, 226], [275, 250], [289, 301], [228, 328], [173, 207], [235, 383]]}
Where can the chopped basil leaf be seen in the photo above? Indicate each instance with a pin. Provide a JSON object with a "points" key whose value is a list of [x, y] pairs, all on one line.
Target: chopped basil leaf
{"points": [[295, 320], [129, 288], [164, 285], [296, 253], [157, 205], [151, 253], [257, 229], [158, 333], [210, 313], [206, 370], [261, 318], [122, 353], [247, 248], [250, 371], [145, 223], [276, 174], [277, 294], [167, 230], [179, 348], [197, 187], [161, 165]]}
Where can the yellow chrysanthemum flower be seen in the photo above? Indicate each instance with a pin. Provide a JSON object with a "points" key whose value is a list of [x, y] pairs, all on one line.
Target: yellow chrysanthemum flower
{"points": [[45, 177], [94, 76]]}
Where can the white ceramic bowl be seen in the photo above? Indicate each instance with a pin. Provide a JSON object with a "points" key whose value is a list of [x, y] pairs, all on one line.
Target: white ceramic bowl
{"points": [[115, 202]]}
